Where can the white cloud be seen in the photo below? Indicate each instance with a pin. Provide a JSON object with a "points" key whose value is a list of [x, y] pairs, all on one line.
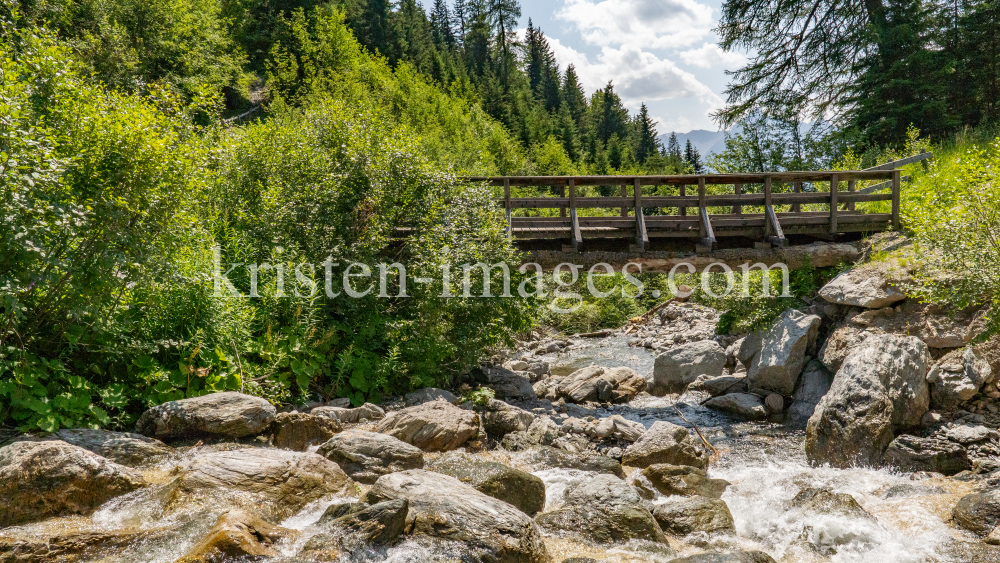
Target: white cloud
{"points": [[653, 24], [639, 76], [710, 54]]}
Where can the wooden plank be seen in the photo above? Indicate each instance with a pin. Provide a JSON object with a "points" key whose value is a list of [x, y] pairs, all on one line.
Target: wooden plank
{"points": [[798, 199], [902, 162], [737, 190], [624, 211], [834, 182], [895, 199], [682, 210], [708, 234], [702, 212], [851, 187], [506, 197], [797, 188], [881, 186], [562, 194], [712, 179]]}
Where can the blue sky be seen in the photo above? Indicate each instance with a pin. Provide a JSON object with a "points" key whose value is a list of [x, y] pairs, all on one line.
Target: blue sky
{"points": [[662, 52]]}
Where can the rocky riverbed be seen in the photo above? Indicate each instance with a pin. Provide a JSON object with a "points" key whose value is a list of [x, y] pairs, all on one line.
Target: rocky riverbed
{"points": [[862, 428]]}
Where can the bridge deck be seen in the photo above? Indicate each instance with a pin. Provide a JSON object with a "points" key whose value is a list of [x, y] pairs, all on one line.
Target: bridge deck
{"points": [[760, 206]]}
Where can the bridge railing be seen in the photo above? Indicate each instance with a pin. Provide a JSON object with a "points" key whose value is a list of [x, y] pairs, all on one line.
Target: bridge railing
{"points": [[650, 218]]}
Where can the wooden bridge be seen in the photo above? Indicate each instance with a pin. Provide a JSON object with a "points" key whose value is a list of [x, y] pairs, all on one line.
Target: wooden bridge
{"points": [[763, 207]]}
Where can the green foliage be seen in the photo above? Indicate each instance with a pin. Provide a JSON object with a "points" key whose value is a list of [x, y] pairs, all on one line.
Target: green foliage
{"points": [[479, 397], [954, 212]]}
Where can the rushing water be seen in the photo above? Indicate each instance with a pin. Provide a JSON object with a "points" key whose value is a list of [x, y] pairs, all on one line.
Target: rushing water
{"points": [[764, 463]]}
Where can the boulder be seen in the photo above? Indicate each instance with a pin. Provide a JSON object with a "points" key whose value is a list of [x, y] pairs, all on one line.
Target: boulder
{"points": [[272, 483], [743, 405], [500, 419], [822, 501], [782, 355], [437, 426], [597, 383], [428, 394], [968, 433], [861, 288], [838, 346], [665, 442], [237, 535], [52, 478], [602, 509], [57, 544], [814, 383], [677, 367], [910, 453], [523, 490], [542, 457], [683, 515], [619, 427], [366, 456], [547, 388], [508, 385], [733, 557], [126, 448], [880, 389], [356, 526], [680, 480], [364, 413], [298, 431], [542, 432], [749, 347], [226, 414], [443, 507], [720, 385], [978, 512], [957, 377]]}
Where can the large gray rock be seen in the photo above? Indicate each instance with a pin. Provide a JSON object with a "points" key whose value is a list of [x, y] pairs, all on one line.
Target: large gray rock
{"points": [[683, 515], [602, 509], [597, 383], [500, 419], [508, 385], [678, 480], [910, 453], [443, 507], [299, 431], [271, 483], [733, 557], [822, 501], [355, 527], [957, 377], [366, 456], [838, 345], [344, 415], [437, 426], [862, 289], [665, 443], [743, 405], [880, 389], [978, 512], [814, 384], [776, 367], [542, 457], [428, 394], [542, 432], [51, 478], [523, 490], [720, 385], [126, 448], [677, 367], [226, 414]]}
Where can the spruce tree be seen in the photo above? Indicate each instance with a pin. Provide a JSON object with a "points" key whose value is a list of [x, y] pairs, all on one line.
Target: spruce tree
{"points": [[692, 158], [673, 148], [647, 144]]}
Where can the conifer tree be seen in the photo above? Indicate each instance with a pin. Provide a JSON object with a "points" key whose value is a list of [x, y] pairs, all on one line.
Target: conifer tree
{"points": [[692, 158], [647, 144], [673, 148]]}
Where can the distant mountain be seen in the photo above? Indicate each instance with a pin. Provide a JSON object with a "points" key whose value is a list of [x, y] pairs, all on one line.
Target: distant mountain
{"points": [[705, 141]]}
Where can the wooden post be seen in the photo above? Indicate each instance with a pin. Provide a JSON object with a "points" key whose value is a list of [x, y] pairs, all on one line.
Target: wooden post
{"points": [[701, 204], [851, 186], [767, 205], [682, 210], [796, 188], [833, 203], [641, 239], [506, 202], [895, 199], [624, 195], [574, 221], [738, 190], [562, 195]]}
